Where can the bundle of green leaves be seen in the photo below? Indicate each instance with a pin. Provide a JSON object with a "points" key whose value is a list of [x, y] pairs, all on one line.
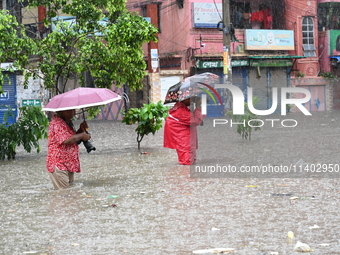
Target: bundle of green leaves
{"points": [[30, 127], [149, 119]]}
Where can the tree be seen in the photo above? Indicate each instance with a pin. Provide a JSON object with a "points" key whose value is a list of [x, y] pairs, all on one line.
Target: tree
{"points": [[149, 119], [101, 37]]}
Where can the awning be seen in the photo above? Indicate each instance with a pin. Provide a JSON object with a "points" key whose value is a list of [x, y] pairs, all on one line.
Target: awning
{"points": [[273, 60], [336, 57]]}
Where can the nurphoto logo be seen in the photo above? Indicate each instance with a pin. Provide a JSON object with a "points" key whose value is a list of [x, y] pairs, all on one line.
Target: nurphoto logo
{"points": [[238, 100]]}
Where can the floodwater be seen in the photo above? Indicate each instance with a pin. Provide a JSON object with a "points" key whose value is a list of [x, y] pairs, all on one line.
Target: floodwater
{"points": [[125, 202]]}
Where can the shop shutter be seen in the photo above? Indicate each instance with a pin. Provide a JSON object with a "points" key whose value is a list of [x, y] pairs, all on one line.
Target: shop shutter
{"points": [[8, 99]]}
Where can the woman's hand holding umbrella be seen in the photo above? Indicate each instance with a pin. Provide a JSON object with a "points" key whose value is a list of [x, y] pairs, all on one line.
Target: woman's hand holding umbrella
{"points": [[198, 102], [83, 130], [83, 127]]}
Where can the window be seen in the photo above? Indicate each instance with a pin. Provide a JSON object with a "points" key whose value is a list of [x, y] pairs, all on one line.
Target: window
{"points": [[308, 37]]}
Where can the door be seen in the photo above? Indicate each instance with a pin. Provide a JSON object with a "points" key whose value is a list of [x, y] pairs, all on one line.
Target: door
{"points": [[263, 80]]}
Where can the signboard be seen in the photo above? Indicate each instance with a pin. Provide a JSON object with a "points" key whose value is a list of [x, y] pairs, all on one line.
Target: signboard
{"points": [[261, 39], [4, 96], [206, 15], [148, 19], [154, 59], [8, 99], [219, 63], [334, 42], [34, 102], [271, 62], [225, 60]]}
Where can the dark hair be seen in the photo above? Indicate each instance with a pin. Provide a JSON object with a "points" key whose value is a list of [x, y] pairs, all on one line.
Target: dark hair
{"points": [[337, 45]]}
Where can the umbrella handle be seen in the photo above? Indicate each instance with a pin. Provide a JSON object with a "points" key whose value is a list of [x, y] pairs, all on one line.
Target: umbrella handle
{"points": [[83, 114], [86, 129]]}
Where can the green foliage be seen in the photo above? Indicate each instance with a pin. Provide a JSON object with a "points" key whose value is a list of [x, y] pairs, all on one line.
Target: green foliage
{"points": [[93, 111], [300, 74], [105, 40], [245, 129], [327, 75], [149, 118], [27, 131]]}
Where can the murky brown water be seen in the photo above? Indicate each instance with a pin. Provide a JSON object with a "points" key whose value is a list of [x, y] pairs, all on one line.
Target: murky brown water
{"points": [[159, 209]]}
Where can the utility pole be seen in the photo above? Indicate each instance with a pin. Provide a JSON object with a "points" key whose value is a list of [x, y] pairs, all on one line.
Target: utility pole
{"points": [[153, 60], [152, 13], [227, 70]]}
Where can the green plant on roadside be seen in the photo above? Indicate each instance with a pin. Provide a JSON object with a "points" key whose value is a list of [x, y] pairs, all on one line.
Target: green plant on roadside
{"points": [[247, 118], [27, 131], [149, 119]]}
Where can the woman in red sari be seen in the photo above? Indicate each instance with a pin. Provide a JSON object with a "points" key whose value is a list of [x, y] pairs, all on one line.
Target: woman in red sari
{"points": [[180, 130]]}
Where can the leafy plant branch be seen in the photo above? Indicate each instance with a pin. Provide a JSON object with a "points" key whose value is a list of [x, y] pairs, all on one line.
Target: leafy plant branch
{"points": [[149, 119], [248, 117], [30, 127]]}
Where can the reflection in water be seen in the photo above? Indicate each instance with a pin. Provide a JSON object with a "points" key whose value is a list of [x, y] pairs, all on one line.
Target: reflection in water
{"points": [[160, 209]]}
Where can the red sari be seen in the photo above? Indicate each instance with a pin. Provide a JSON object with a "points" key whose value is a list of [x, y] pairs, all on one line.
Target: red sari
{"points": [[180, 132]]}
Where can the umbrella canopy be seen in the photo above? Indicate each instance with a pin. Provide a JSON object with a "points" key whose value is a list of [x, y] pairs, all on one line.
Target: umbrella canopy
{"points": [[193, 86], [81, 98]]}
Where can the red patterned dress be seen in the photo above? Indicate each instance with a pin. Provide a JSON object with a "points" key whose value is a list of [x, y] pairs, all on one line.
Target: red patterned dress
{"points": [[180, 132], [63, 156]]}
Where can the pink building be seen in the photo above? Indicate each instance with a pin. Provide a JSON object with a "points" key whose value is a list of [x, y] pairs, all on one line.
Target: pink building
{"points": [[277, 43]]}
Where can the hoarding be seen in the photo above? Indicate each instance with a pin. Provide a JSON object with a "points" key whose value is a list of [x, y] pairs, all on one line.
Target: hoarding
{"points": [[334, 42], [206, 15], [262, 39]]}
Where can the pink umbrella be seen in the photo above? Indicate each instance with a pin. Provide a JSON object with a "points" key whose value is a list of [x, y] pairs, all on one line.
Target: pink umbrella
{"points": [[81, 98]]}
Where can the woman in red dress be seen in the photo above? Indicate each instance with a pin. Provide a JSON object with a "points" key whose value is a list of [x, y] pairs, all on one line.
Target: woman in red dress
{"points": [[180, 130]]}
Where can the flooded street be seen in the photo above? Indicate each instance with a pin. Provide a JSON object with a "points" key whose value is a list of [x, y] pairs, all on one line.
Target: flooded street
{"points": [[125, 202]]}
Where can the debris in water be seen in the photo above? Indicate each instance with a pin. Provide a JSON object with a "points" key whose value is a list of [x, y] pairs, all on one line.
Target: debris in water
{"points": [[290, 234], [215, 229], [302, 247], [294, 198], [215, 250], [281, 194], [315, 226], [252, 186], [113, 196], [324, 244]]}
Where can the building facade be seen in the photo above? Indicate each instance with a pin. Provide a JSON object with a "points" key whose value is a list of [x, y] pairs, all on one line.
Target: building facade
{"points": [[275, 44]]}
